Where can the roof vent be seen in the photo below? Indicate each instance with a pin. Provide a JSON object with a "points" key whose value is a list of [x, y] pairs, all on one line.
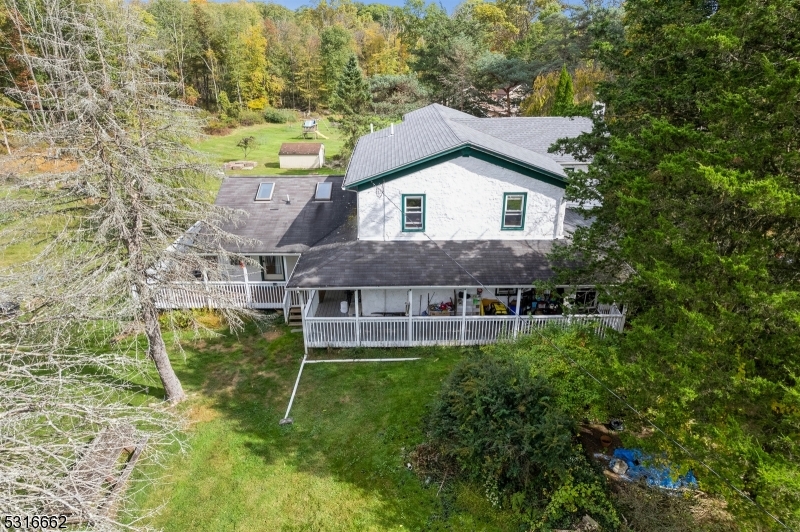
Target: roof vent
{"points": [[391, 128]]}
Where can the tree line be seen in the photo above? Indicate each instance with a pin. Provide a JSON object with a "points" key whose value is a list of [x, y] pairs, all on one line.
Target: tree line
{"points": [[241, 56]]}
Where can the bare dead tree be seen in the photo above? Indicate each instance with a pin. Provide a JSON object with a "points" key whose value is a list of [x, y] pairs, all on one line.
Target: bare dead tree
{"points": [[104, 183], [52, 418]]}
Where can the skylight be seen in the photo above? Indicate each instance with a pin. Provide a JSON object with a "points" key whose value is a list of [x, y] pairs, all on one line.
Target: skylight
{"points": [[323, 191], [265, 191]]}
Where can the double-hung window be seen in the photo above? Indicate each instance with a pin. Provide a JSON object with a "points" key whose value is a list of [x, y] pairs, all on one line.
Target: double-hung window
{"points": [[413, 212], [514, 211]]}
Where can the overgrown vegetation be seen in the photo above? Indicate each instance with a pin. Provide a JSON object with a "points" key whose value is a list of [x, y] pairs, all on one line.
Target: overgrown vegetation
{"points": [[502, 427], [697, 171]]}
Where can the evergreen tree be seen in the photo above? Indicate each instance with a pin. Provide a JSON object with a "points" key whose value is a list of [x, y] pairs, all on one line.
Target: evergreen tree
{"points": [[334, 53], [352, 96], [697, 167], [352, 99], [563, 105]]}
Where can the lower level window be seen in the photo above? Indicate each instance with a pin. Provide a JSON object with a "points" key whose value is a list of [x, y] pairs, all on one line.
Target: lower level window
{"points": [[414, 212], [271, 268], [514, 210]]}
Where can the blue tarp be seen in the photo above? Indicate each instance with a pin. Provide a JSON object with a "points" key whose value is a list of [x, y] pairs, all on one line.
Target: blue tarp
{"points": [[663, 476]]}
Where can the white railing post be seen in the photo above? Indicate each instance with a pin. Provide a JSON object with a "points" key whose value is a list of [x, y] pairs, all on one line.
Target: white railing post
{"points": [[248, 296], [358, 324], [303, 310], [205, 285], [516, 311], [410, 319], [463, 316]]}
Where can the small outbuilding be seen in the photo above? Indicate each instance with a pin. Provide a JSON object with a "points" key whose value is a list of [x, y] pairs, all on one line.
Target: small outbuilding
{"points": [[302, 155]]}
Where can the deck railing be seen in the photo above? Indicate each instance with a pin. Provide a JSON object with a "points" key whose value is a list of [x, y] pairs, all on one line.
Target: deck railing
{"points": [[435, 330], [212, 294]]}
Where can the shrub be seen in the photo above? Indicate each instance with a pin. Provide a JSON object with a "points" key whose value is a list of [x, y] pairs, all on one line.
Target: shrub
{"points": [[215, 126], [505, 431], [576, 393], [250, 118], [497, 421], [278, 116]]}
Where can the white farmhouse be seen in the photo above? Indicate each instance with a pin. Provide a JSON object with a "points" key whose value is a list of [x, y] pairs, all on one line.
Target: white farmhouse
{"points": [[437, 234], [302, 155]]}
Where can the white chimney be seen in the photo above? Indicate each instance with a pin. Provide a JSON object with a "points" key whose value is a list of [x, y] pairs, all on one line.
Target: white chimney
{"points": [[371, 128], [391, 128]]}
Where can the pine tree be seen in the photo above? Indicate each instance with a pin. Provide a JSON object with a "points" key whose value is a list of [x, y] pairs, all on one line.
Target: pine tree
{"points": [[697, 171], [565, 94], [352, 96]]}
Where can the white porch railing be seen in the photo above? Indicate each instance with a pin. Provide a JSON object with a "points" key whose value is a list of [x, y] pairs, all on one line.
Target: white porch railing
{"points": [[446, 330], [211, 294]]}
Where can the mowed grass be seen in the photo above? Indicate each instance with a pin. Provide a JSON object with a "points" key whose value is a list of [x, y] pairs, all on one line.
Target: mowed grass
{"points": [[269, 137], [339, 467]]}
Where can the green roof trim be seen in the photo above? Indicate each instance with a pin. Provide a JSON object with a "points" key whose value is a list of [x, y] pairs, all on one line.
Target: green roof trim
{"points": [[456, 153]]}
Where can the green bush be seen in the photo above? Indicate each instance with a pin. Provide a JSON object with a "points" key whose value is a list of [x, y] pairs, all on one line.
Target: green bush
{"points": [[505, 431], [250, 118], [577, 394], [220, 126], [279, 116]]}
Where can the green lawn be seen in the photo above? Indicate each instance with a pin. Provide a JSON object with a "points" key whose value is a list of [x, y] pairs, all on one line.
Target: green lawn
{"points": [[269, 138], [339, 467]]}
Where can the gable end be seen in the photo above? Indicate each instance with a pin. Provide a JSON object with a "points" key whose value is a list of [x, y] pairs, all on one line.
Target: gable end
{"points": [[455, 153]]}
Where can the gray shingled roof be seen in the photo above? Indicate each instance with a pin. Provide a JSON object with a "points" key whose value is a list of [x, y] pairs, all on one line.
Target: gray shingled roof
{"points": [[532, 133], [573, 219], [423, 263], [435, 130], [281, 226]]}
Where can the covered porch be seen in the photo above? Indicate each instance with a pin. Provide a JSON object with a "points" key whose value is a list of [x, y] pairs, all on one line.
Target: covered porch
{"points": [[343, 318], [252, 281]]}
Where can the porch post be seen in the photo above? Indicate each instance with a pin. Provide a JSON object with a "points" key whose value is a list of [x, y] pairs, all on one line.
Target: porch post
{"points": [[205, 285], [303, 310], [516, 319], [410, 317], [463, 315], [248, 297], [358, 323]]}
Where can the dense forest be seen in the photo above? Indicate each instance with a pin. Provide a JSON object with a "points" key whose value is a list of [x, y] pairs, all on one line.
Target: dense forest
{"points": [[251, 56]]}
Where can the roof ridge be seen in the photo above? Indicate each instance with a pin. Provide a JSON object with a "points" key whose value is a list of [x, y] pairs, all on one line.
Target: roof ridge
{"points": [[446, 121]]}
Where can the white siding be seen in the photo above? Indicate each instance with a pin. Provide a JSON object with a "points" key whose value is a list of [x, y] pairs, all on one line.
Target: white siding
{"points": [[291, 262], [464, 201], [394, 300], [302, 162]]}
